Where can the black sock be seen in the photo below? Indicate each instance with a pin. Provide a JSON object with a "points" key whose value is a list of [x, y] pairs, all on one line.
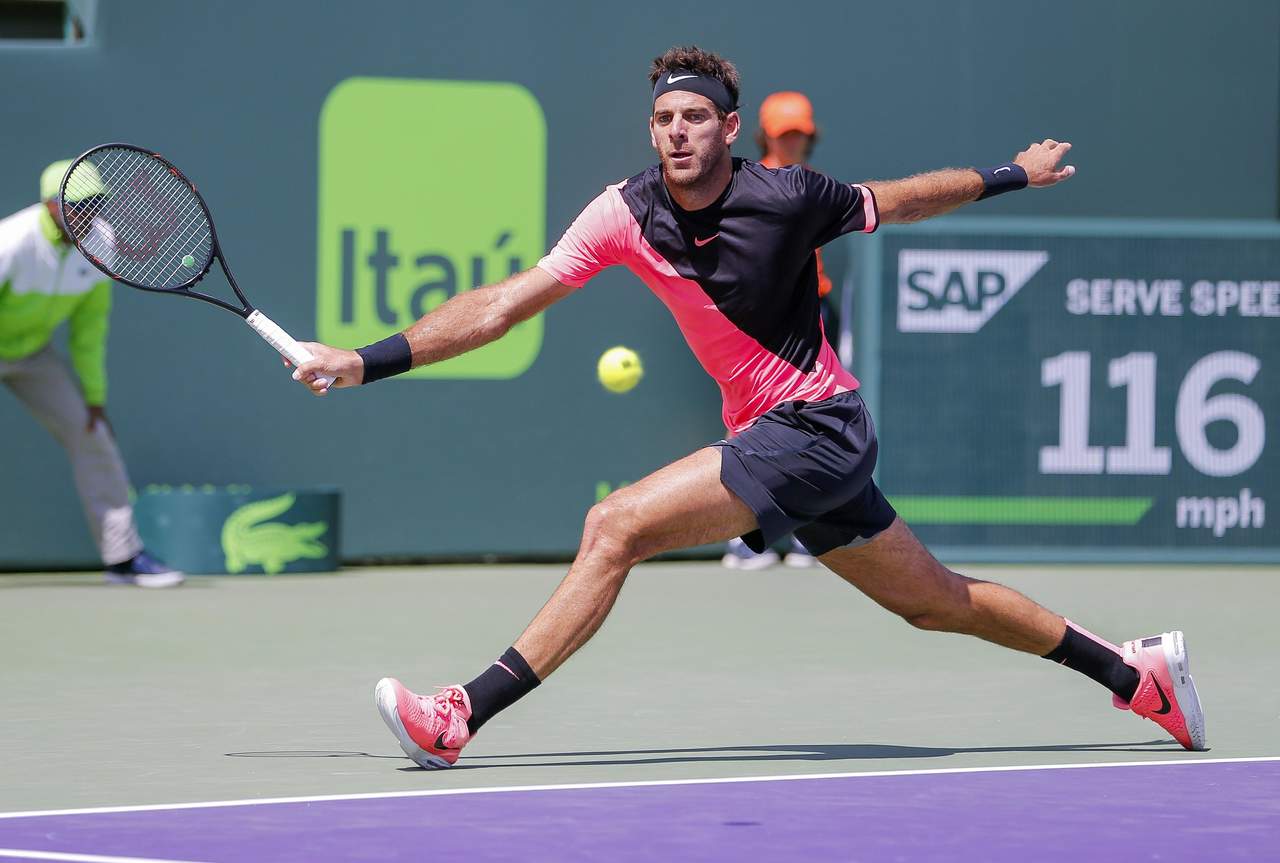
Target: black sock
{"points": [[1079, 652], [498, 687]]}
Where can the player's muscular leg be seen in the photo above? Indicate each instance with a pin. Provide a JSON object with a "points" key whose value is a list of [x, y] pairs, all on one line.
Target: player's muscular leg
{"points": [[683, 504], [898, 572]]}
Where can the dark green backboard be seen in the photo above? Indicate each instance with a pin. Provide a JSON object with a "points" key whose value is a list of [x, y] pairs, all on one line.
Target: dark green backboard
{"points": [[1069, 388]]}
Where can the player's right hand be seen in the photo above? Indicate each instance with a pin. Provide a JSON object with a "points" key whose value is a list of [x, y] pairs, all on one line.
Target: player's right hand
{"points": [[345, 367]]}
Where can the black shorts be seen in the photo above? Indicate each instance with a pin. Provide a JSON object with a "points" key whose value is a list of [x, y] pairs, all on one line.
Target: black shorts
{"points": [[805, 468]]}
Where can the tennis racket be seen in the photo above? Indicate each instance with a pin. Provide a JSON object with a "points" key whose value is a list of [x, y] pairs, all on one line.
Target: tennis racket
{"points": [[139, 220]]}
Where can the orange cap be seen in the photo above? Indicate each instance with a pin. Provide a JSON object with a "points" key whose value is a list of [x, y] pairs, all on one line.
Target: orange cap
{"points": [[787, 111]]}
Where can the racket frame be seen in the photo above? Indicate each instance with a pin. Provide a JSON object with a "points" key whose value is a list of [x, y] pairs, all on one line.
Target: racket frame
{"points": [[263, 325], [244, 310]]}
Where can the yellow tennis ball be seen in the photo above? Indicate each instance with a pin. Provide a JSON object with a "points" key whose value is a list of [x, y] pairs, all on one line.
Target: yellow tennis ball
{"points": [[619, 369]]}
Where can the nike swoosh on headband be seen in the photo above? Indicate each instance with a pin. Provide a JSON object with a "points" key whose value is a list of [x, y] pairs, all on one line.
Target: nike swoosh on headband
{"points": [[671, 80]]}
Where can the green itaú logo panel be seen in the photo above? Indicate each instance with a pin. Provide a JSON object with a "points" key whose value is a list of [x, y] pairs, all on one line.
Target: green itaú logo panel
{"points": [[428, 189], [251, 538]]}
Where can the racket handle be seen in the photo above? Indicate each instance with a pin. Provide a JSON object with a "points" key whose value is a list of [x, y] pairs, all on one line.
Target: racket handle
{"points": [[282, 341]]}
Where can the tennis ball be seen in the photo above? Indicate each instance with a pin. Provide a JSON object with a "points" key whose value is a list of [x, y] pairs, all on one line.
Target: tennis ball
{"points": [[619, 369], [188, 261]]}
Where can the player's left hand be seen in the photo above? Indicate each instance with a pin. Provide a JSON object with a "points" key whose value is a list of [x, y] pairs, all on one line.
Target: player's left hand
{"points": [[97, 414], [1040, 161]]}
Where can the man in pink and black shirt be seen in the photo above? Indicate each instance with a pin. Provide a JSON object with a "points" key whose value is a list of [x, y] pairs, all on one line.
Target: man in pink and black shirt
{"points": [[740, 277], [728, 245]]}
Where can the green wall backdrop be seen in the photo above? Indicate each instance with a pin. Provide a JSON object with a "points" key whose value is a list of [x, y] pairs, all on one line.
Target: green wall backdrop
{"points": [[1172, 107]]}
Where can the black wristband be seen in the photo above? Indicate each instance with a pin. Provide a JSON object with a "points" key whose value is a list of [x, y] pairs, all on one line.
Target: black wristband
{"points": [[1002, 178], [391, 356]]}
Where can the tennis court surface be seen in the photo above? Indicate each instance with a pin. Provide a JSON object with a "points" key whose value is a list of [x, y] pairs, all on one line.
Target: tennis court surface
{"points": [[717, 716]]}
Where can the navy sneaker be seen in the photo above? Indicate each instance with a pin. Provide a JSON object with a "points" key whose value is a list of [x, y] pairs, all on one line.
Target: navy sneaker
{"points": [[144, 571], [739, 556]]}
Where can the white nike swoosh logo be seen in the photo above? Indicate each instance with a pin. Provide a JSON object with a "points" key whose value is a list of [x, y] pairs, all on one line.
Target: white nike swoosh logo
{"points": [[698, 242], [998, 170], [671, 80]]}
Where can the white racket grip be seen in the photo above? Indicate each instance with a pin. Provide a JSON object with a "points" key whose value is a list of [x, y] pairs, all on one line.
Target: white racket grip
{"points": [[282, 341]]}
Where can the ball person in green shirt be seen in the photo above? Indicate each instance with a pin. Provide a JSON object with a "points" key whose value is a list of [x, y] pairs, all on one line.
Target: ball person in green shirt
{"points": [[44, 280]]}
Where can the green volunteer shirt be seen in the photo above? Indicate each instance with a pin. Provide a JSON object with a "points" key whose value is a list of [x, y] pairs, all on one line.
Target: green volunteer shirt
{"points": [[43, 282]]}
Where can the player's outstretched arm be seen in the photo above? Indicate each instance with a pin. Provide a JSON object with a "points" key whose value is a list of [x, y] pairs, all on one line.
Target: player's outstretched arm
{"points": [[463, 323], [926, 195]]}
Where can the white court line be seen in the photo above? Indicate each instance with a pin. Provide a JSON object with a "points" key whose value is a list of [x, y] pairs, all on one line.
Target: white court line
{"points": [[798, 777], [81, 858]]}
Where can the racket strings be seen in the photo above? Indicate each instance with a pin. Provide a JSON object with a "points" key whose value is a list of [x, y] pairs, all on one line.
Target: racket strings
{"points": [[135, 230], [150, 216], [117, 235], [143, 198], [121, 215], [140, 219], [129, 213]]}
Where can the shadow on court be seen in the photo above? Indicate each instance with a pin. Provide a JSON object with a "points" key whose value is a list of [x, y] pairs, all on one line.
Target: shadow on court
{"points": [[307, 753], [736, 754]]}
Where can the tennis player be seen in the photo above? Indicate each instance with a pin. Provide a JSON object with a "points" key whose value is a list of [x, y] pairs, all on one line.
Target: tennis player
{"points": [[44, 281], [728, 245]]}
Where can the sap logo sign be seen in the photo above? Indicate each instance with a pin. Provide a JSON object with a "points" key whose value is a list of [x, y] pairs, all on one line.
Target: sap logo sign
{"points": [[957, 291]]}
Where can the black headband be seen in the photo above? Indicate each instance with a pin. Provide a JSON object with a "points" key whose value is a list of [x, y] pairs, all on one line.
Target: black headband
{"points": [[682, 79]]}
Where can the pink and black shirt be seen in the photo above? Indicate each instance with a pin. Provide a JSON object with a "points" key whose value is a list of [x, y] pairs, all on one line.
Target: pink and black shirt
{"points": [[739, 276]]}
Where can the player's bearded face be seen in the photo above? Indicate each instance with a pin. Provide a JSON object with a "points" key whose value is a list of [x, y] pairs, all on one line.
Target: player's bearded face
{"points": [[689, 136]]}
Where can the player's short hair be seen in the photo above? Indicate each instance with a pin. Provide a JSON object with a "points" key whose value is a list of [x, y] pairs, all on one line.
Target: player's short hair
{"points": [[691, 58]]}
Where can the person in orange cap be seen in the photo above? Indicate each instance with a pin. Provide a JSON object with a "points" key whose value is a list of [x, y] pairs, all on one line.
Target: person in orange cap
{"points": [[787, 130], [787, 136]]}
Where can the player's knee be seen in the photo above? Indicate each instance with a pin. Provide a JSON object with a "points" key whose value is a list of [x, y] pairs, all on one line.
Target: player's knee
{"points": [[611, 531], [947, 609]]}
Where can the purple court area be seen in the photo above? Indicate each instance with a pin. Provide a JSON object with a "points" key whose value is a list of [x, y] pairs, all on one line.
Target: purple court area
{"points": [[1197, 811]]}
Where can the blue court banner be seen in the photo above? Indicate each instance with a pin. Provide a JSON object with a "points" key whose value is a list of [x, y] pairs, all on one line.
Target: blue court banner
{"points": [[1076, 390]]}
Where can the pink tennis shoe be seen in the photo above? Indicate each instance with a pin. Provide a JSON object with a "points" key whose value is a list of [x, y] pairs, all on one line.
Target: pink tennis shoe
{"points": [[432, 729], [1166, 693]]}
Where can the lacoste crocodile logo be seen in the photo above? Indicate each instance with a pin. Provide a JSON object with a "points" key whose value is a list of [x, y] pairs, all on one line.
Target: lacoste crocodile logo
{"points": [[250, 538]]}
